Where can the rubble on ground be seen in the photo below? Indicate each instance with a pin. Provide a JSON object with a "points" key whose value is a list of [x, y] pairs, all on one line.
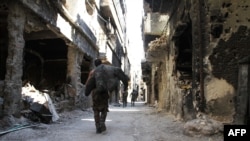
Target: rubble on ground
{"points": [[39, 103], [201, 126]]}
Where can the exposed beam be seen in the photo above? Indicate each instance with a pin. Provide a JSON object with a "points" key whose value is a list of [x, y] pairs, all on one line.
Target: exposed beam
{"points": [[44, 34]]}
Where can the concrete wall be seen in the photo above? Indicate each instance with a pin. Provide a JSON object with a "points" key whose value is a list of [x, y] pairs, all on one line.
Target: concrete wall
{"points": [[155, 23], [229, 43], [218, 39]]}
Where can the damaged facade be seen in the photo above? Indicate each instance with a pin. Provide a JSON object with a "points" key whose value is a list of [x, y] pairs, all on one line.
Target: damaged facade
{"points": [[197, 59], [52, 45]]}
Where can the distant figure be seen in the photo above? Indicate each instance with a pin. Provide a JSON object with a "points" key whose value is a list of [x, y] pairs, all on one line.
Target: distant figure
{"points": [[133, 96], [101, 81], [124, 99]]}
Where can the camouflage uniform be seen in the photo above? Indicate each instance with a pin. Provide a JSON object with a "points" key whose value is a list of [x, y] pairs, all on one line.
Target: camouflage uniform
{"points": [[100, 98], [97, 83], [100, 108]]}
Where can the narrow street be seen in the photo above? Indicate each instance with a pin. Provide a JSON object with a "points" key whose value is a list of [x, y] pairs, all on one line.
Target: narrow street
{"points": [[139, 123], [190, 59]]}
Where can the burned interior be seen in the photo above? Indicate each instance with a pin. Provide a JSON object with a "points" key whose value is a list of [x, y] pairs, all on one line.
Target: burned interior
{"points": [[45, 63], [3, 39], [46, 58], [3, 50], [183, 44]]}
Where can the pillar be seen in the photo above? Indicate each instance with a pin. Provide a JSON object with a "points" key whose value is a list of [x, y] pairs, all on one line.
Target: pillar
{"points": [[14, 62]]}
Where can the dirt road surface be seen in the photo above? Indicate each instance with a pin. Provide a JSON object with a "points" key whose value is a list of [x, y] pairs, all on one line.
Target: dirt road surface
{"points": [[139, 123]]}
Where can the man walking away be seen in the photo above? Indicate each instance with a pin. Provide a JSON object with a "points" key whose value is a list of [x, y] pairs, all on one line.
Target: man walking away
{"points": [[133, 96], [99, 83]]}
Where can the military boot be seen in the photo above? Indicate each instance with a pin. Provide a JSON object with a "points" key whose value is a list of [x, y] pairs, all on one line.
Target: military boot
{"points": [[103, 126], [102, 120], [97, 121], [98, 128]]}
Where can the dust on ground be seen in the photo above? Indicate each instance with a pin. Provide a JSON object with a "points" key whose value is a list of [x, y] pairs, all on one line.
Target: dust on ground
{"points": [[139, 123]]}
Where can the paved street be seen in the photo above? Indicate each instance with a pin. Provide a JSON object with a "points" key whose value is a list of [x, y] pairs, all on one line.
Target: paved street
{"points": [[139, 123]]}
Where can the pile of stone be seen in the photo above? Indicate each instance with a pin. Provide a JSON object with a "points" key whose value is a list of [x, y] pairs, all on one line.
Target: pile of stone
{"points": [[202, 125], [39, 106]]}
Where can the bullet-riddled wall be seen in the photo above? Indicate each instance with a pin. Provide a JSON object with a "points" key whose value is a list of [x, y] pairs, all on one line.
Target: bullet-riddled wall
{"points": [[205, 67]]}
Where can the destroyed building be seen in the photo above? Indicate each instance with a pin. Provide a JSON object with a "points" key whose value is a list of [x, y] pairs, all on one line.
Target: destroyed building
{"points": [[52, 44], [197, 58]]}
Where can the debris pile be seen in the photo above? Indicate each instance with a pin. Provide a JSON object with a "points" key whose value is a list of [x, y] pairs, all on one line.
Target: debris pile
{"points": [[39, 106], [202, 126], [158, 43]]}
